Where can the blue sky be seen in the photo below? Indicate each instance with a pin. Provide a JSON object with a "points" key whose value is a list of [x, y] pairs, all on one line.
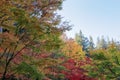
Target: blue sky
{"points": [[93, 17]]}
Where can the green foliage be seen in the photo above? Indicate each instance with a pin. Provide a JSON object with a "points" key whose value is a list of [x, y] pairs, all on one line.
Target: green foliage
{"points": [[98, 56], [60, 68], [29, 70], [106, 63], [57, 55], [83, 41], [33, 25]]}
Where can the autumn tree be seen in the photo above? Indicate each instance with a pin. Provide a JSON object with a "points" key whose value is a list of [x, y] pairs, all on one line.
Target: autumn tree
{"points": [[72, 49], [28, 24]]}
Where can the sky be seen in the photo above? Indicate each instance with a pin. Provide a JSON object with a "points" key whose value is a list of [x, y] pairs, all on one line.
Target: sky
{"points": [[94, 18]]}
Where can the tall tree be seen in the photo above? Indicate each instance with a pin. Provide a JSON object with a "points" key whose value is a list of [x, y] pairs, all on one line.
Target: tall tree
{"points": [[72, 49], [91, 43], [79, 38], [98, 43], [82, 40], [101, 43], [31, 23]]}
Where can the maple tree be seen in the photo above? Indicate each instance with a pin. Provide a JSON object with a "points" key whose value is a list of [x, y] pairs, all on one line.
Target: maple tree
{"points": [[28, 24], [69, 69], [31, 47], [72, 49]]}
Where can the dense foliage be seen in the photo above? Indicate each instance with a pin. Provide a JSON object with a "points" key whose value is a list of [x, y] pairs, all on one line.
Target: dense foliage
{"points": [[32, 25], [106, 63], [33, 46]]}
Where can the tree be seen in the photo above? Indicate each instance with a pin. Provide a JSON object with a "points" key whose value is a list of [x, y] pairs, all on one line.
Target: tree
{"points": [[70, 69], [29, 24], [79, 38], [91, 43], [74, 71], [98, 43], [82, 40], [72, 49], [101, 43], [106, 63]]}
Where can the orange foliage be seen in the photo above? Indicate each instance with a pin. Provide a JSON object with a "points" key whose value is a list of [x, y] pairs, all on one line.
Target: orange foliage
{"points": [[1, 50], [72, 49]]}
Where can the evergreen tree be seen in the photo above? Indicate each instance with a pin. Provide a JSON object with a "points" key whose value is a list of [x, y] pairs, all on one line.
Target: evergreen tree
{"points": [[91, 43], [98, 43], [79, 38], [101, 43], [82, 40]]}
